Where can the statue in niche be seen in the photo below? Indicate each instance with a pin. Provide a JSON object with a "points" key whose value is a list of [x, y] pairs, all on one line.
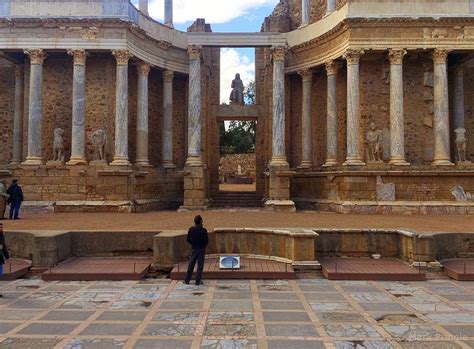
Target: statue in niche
{"points": [[461, 195], [461, 144], [99, 140], [58, 145], [374, 142], [237, 94]]}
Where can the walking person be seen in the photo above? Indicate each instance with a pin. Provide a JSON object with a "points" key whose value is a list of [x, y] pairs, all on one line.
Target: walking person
{"points": [[198, 239], [3, 198], [15, 198], [3, 253]]}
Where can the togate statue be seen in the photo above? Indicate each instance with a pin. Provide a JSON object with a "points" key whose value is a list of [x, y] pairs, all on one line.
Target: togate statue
{"points": [[237, 94], [461, 144], [58, 145], [374, 142], [99, 140]]}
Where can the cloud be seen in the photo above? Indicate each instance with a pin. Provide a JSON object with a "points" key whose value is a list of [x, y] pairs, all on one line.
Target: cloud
{"points": [[233, 62], [214, 11]]}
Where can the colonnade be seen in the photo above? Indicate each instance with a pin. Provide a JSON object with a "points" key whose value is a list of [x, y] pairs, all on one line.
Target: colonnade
{"points": [[79, 101]]}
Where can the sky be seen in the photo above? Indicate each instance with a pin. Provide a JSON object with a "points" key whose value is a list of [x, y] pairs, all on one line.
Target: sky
{"points": [[224, 16]]}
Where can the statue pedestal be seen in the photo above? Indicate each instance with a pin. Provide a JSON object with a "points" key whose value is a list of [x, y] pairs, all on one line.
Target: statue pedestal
{"points": [[279, 177]]}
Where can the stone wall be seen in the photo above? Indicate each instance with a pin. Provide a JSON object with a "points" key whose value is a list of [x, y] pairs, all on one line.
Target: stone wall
{"points": [[7, 98], [229, 165], [469, 105]]}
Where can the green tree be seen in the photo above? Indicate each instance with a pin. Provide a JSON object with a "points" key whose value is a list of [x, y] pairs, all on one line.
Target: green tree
{"points": [[249, 93], [239, 138]]}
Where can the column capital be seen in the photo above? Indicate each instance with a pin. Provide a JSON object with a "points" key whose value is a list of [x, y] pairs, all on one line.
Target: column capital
{"points": [[168, 76], [306, 74], [143, 68], [79, 56], [332, 67], [353, 56], [122, 56], [36, 55], [278, 53], [395, 56], [194, 52], [440, 56]]}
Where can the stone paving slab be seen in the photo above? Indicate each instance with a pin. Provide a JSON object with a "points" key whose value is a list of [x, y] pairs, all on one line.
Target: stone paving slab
{"points": [[237, 314]]}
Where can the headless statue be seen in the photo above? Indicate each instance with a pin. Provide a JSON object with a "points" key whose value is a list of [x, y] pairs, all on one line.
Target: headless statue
{"points": [[237, 94]]}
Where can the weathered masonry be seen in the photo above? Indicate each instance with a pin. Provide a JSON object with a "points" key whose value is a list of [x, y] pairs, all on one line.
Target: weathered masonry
{"points": [[362, 105]]}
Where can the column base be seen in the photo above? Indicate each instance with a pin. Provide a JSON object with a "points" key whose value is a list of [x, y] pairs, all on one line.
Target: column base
{"points": [[143, 163], [15, 163], [305, 165], [77, 161], [168, 165], [194, 161], [33, 161], [354, 162], [280, 205], [442, 162], [120, 162], [330, 163], [398, 161], [279, 160]]}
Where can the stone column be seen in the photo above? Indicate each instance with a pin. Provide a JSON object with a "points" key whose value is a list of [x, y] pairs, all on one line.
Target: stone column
{"points": [[331, 126], [169, 13], [331, 6], [459, 108], [35, 113], [143, 70], [143, 6], [441, 110], [353, 108], [278, 131], [194, 109], [78, 141], [168, 119], [397, 120], [305, 12], [121, 108], [18, 116], [306, 122]]}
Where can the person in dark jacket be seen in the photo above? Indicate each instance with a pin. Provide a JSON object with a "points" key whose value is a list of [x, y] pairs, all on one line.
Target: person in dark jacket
{"points": [[15, 198], [4, 256], [198, 239]]}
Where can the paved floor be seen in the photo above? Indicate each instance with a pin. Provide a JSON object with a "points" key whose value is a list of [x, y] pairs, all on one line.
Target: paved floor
{"points": [[307, 313], [237, 218]]}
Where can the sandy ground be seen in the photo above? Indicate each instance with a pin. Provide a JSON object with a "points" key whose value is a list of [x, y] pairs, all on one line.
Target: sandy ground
{"points": [[236, 218]]}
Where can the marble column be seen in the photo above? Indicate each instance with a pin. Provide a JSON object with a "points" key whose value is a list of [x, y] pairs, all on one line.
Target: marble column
{"points": [[331, 6], [143, 70], [459, 108], [35, 112], [121, 108], [169, 13], [305, 12], [306, 122], [143, 6], [194, 108], [353, 108], [278, 126], [168, 77], [18, 116], [397, 120], [78, 141], [331, 122], [441, 109]]}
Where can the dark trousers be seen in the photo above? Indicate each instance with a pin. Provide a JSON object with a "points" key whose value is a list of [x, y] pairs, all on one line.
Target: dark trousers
{"points": [[198, 256], [14, 209]]}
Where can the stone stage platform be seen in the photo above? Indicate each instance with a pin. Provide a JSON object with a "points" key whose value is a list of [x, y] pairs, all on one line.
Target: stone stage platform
{"points": [[251, 268], [460, 269], [15, 268]]}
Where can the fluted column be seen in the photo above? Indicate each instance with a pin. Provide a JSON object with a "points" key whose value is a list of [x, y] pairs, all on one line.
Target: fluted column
{"points": [[194, 111], [305, 12], [18, 116], [331, 122], [459, 108], [278, 127], [143, 70], [306, 122], [78, 141], [168, 119], [169, 13], [353, 108], [331, 6], [121, 108], [397, 122], [143, 6], [35, 112], [441, 110]]}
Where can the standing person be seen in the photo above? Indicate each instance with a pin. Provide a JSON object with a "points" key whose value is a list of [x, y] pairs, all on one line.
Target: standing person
{"points": [[3, 198], [15, 198], [3, 253], [198, 239]]}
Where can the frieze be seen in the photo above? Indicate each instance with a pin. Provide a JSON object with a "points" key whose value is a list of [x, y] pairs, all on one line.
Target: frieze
{"points": [[164, 45]]}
